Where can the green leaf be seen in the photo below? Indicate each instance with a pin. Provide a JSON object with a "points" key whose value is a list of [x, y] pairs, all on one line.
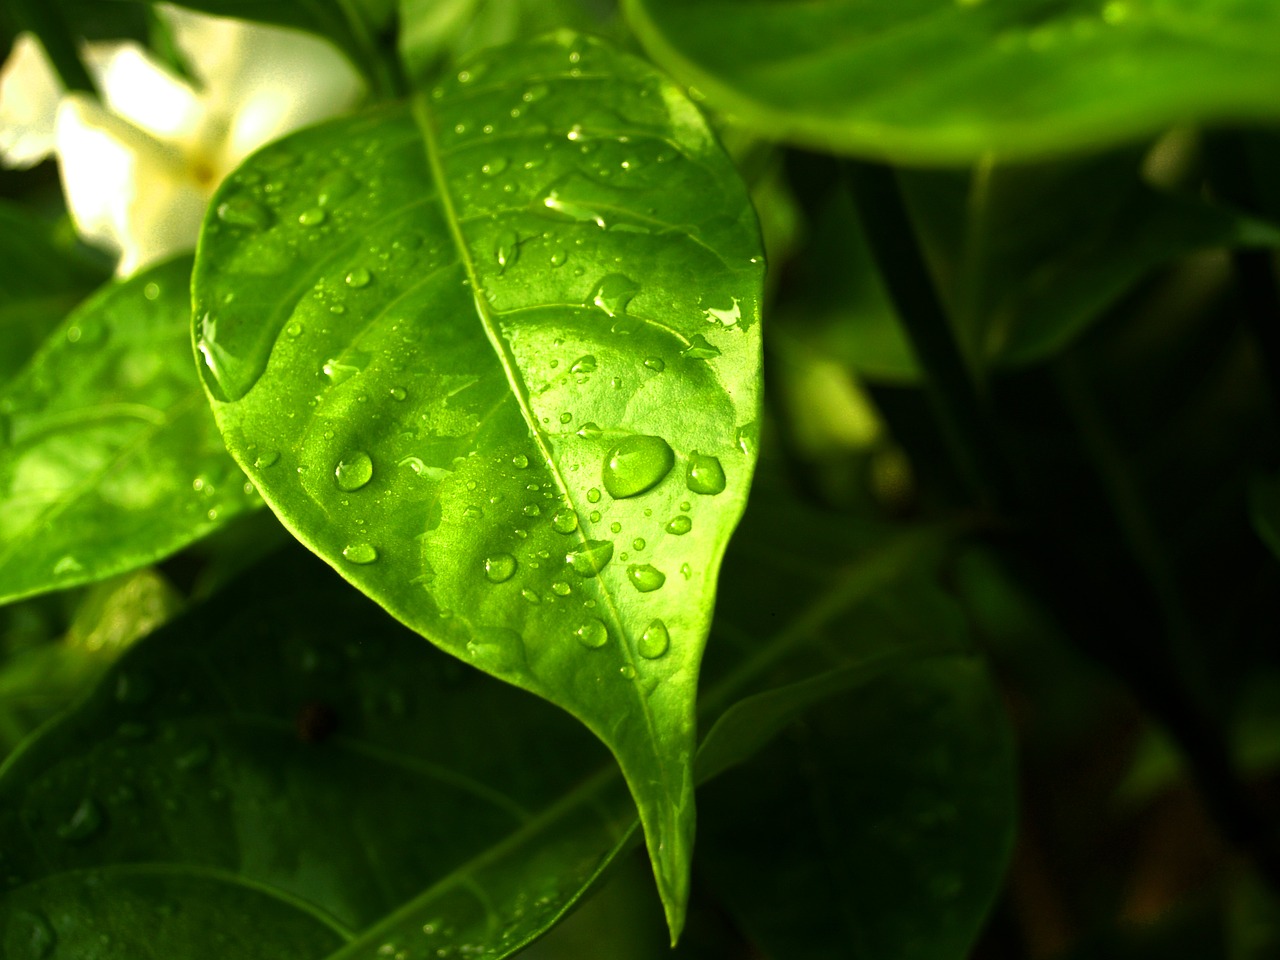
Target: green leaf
{"points": [[1264, 509], [295, 764], [495, 357], [431, 31], [891, 818], [39, 284], [110, 458], [941, 82]]}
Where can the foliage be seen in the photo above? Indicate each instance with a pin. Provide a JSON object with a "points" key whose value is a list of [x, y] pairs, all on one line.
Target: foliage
{"points": [[388, 577]]}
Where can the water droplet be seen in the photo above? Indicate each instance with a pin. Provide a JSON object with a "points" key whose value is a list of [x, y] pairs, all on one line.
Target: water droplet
{"points": [[614, 293], [592, 633], [28, 936], [337, 371], [686, 571], [645, 577], [506, 248], [589, 431], [83, 823], [561, 589], [495, 166], [353, 471], [520, 461], [472, 512], [359, 277], [360, 553], [655, 364], [593, 495], [558, 257], [532, 510], [726, 318], [654, 641], [585, 364], [679, 525], [590, 558], [151, 291], [705, 475], [398, 393], [67, 564], [635, 465], [500, 567], [294, 329], [595, 516], [530, 595], [564, 521], [312, 217], [628, 671], [335, 186], [535, 92], [243, 212], [699, 349], [616, 527]]}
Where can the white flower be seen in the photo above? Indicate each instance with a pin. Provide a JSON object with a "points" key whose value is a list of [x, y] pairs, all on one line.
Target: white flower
{"points": [[139, 168]]}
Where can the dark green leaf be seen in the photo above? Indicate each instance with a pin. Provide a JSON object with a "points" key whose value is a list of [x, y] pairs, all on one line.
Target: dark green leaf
{"points": [[39, 284], [297, 765], [1264, 505], [890, 819], [946, 82], [496, 358], [109, 457]]}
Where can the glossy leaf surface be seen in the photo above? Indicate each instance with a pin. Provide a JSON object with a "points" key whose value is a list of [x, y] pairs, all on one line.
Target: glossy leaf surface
{"points": [[110, 456], [498, 363], [941, 82]]}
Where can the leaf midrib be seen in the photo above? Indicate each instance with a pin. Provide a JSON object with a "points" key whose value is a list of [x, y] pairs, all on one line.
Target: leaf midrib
{"points": [[422, 116]]}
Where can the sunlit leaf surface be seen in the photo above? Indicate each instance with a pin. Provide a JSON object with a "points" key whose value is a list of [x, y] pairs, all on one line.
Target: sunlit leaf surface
{"points": [[495, 356]]}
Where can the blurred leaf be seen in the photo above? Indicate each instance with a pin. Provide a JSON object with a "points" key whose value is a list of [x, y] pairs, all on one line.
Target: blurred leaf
{"points": [[880, 828], [1264, 506], [109, 456], [39, 284], [941, 82], [455, 349]]}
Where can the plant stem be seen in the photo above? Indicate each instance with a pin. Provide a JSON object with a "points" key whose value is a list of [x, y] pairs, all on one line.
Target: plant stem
{"points": [[44, 19], [960, 409]]}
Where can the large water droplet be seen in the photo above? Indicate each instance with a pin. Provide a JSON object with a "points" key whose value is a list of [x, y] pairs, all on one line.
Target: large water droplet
{"points": [[645, 577], [635, 465], [353, 471], [361, 553], [590, 558], [564, 521], [589, 431], [655, 364], [83, 823], [654, 641], [585, 364], [561, 589], [359, 277], [335, 186], [679, 525], [312, 217], [243, 212], [705, 475], [700, 349], [613, 293], [592, 633], [500, 567], [506, 248]]}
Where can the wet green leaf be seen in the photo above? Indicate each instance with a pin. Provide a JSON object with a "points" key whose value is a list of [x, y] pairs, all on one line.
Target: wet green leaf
{"points": [[946, 82], [480, 352], [109, 456]]}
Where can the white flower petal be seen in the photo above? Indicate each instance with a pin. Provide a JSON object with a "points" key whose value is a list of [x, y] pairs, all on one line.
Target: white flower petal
{"points": [[265, 81], [125, 190], [146, 94], [29, 94]]}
